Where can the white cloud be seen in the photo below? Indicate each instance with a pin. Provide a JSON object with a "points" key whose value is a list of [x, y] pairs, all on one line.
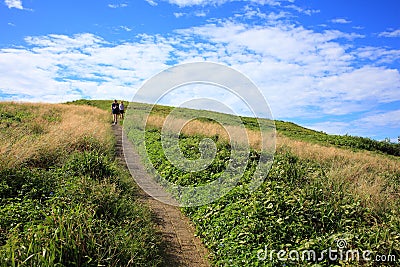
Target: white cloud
{"points": [[251, 12], [389, 119], [197, 13], [185, 3], [65, 67], [178, 14], [298, 70], [331, 127], [201, 13], [378, 54], [340, 21], [379, 125], [117, 5], [358, 27], [125, 28], [54, 43], [393, 33], [14, 4], [291, 44], [152, 2], [367, 83], [308, 12]]}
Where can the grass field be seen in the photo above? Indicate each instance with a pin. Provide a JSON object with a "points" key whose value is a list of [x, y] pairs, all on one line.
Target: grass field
{"points": [[321, 190], [64, 200]]}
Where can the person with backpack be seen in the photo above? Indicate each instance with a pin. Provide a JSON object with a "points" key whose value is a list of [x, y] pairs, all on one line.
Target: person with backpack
{"points": [[121, 110], [115, 111]]}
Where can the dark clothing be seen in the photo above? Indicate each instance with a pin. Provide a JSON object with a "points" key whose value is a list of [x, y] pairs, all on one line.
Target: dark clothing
{"points": [[115, 108]]}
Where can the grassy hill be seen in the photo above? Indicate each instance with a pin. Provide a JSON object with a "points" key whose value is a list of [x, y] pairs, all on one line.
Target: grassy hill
{"points": [[287, 129], [64, 201], [101, 104], [322, 191]]}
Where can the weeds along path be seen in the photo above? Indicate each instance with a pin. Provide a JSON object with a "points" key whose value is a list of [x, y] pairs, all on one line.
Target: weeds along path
{"points": [[182, 248]]}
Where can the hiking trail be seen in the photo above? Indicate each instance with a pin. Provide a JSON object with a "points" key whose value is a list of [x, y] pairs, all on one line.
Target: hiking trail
{"points": [[181, 246]]}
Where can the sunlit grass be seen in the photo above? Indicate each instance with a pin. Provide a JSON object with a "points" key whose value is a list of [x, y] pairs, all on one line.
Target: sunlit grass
{"points": [[368, 175], [64, 199], [37, 133]]}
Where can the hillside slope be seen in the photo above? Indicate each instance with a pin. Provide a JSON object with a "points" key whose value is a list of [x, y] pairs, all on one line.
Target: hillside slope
{"points": [[64, 201], [319, 194]]}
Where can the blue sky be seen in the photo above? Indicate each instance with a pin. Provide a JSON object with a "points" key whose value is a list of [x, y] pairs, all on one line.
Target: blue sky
{"points": [[328, 65]]}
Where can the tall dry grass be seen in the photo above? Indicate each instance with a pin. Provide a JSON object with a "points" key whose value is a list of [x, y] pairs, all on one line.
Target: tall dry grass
{"points": [[365, 174], [227, 133], [45, 132]]}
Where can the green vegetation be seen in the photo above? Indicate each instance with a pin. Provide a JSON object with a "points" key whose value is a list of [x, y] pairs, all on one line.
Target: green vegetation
{"points": [[311, 199], [101, 104], [296, 208], [73, 205], [66, 202]]}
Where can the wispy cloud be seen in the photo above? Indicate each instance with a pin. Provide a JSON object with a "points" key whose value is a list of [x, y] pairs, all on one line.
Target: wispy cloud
{"points": [[358, 27], [117, 5], [126, 28], [152, 2], [378, 55], [197, 13], [178, 14], [251, 12], [392, 33], [312, 70], [308, 12], [56, 67], [331, 127], [186, 3], [340, 21], [376, 125], [14, 4], [383, 119], [201, 13]]}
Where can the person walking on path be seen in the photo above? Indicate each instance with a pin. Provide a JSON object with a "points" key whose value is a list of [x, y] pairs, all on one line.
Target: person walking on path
{"points": [[121, 110], [115, 111]]}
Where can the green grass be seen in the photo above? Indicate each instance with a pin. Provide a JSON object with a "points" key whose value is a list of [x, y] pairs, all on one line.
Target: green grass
{"points": [[75, 207], [101, 104], [296, 208]]}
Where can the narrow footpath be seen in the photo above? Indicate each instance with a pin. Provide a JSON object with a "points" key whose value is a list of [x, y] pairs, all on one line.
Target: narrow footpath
{"points": [[182, 247]]}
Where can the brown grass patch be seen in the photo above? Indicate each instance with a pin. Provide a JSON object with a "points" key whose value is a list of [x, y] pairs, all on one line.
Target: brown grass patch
{"points": [[366, 174], [46, 131], [229, 133]]}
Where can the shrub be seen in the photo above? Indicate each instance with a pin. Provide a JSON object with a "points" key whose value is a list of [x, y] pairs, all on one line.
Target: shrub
{"points": [[90, 163]]}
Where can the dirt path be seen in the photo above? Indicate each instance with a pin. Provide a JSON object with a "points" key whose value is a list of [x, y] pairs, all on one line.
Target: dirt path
{"points": [[182, 248]]}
